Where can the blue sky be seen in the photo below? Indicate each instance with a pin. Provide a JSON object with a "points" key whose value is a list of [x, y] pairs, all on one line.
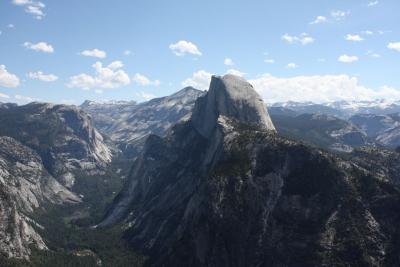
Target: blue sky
{"points": [[315, 50]]}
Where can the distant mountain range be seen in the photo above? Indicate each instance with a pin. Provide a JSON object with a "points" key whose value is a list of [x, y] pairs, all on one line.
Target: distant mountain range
{"points": [[341, 109], [128, 123], [197, 178], [377, 122]]}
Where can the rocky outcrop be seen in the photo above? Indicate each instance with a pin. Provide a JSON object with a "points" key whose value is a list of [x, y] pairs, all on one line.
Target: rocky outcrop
{"points": [[373, 124], [322, 130], [220, 191], [230, 96], [384, 129], [63, 136], [24, 186], [128, 124]]}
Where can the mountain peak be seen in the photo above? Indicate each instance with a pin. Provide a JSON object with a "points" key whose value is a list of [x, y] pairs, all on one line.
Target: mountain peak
{"points": [[230, 96]]}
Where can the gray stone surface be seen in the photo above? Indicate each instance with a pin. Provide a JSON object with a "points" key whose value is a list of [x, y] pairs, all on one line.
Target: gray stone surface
{"points": [[233, 97]]}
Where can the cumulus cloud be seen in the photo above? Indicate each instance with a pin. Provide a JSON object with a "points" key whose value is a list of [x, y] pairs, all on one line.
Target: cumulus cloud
{"points": [[32, 7], [127, 52], [145, 96], [105, 77], [42, 77], [144, 81], [228, 62], [373, 3], [319, 20], [25, 99], [200, 80], [235, 72], [182, 48], [10, 26], [94, 53], [335, 15], [347, 59], [394, 46], [292, 65], [269, 61], [39, 47], [8, 79], [367, 32], [115, 65], [372, 54], [303, 39], [318, 89], [4, 95], [339, 14], [354, 38]]}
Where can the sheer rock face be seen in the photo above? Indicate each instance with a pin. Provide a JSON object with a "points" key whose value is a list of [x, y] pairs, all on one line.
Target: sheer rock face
{"points": [[24, 186], [232, 97], [41, 147], [128, 124], [226, 190], [62, 135]]}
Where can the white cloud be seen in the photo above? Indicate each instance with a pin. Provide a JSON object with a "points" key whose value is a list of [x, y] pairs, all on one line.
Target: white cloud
{"points": [[394, 46], [105, 78], [21, 2], [7, 79], [235, 72], [98, 91], [25, 99], [318, 20], [4, 95], [347, 59], [10, 26], [228, 62], [339, 14], [127, 52], [42, 77], [367, 32], [303, 39], [381, 32], [335, 15], [354, 38], [200, 80], [94, 53], [269, 60], [39, 47], [35, 10], [292, 65], [115, 65], [32, 7], [318, 89], [145, 96], [372, 54], [373, 3], [144, 81], [182, 48]]}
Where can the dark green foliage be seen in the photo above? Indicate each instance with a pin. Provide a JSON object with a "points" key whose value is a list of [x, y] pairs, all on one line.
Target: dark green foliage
{"points": [[69, 230]]}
